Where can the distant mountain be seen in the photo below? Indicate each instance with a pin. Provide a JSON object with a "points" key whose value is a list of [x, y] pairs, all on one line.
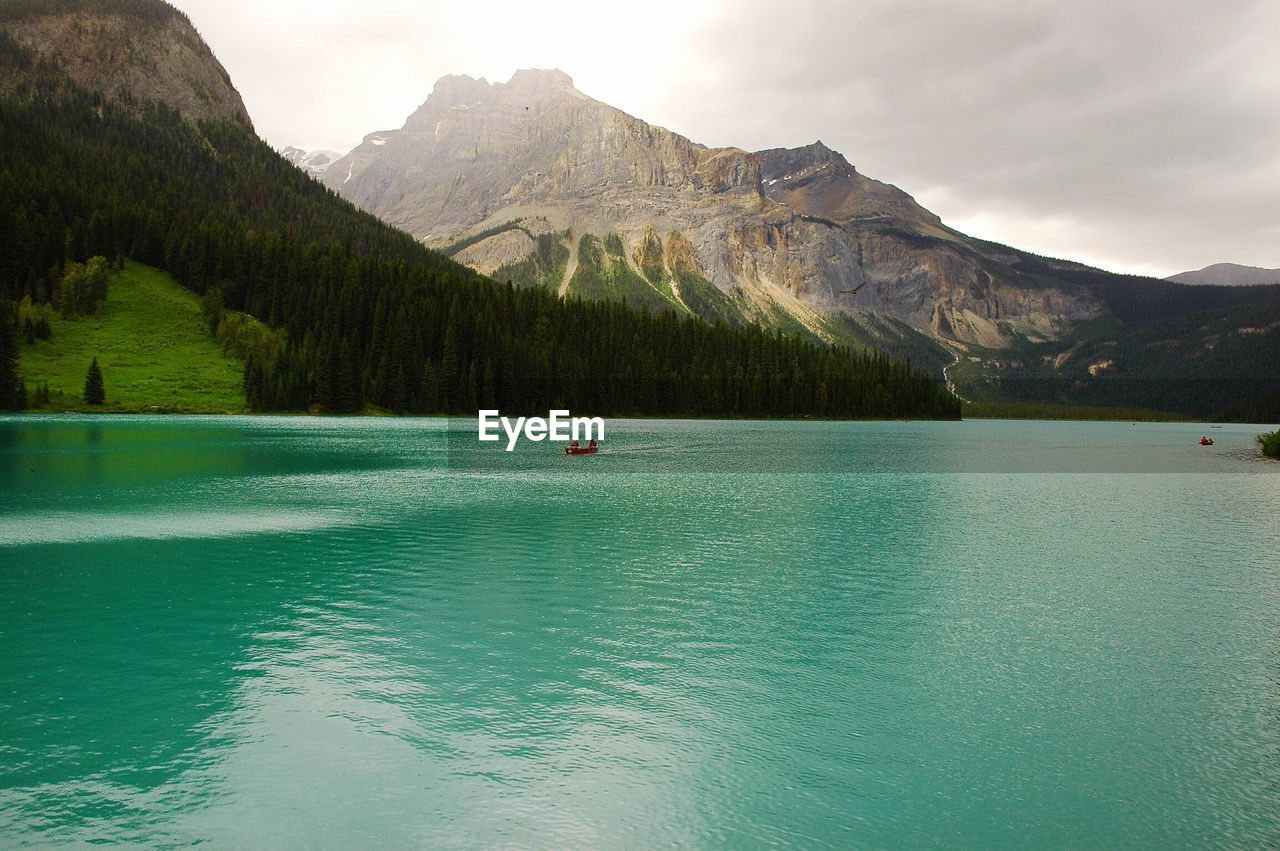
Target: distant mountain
{"points": [[1229, 275], [312, 162]]}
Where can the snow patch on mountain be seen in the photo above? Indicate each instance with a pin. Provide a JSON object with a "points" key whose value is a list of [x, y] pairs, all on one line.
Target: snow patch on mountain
{"points": [[312, 162]]}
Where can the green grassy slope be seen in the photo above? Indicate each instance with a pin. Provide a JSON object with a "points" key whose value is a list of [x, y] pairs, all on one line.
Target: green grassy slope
{"points": [[543, 268], [603, 273], [151, 342]]}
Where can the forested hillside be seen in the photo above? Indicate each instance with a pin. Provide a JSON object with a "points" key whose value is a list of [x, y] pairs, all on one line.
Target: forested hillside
{"points": [[370, 317], [1219, 363]]}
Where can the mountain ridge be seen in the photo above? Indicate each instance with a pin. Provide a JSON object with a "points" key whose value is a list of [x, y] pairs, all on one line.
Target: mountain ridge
{"points": [[1228, 275]]}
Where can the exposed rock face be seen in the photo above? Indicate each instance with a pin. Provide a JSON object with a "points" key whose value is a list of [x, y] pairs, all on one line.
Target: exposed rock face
{"points": [[786, 235], [150, 51], [489, 255]]}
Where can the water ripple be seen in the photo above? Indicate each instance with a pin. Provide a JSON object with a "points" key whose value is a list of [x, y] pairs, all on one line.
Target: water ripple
{"points": [[61, 527], [327, 635]]}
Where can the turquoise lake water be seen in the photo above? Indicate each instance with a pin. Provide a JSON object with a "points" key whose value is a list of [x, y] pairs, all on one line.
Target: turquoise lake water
{"points": [[307, 632]]}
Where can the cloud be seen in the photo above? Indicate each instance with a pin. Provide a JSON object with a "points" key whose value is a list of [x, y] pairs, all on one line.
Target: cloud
{"points": [[1142, 136]]}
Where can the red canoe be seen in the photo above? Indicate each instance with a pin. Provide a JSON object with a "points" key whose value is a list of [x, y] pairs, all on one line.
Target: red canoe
{"points": [[581, 450]]}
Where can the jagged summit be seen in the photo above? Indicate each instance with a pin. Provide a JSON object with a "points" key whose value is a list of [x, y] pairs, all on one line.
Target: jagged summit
{"points": [[474, 147], [146, 48], [780, 163], [458, 88], [530, 83], [811, 154]]}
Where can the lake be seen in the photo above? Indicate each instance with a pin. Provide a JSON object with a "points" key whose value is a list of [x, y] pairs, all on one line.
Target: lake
{"points": [[302, 632]]}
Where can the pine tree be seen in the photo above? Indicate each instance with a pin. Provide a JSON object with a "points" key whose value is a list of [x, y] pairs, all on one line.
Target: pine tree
{"points": [[449, 375], [11, 388], [345, 395], [429, 389], [95, 393]]}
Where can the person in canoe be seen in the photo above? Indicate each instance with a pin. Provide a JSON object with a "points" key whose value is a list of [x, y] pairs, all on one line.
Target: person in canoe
{"points": [[1205, 440]]}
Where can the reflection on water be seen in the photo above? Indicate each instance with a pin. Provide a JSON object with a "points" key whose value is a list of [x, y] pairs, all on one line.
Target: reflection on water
{"points": [[67, 527], [272, 631]]}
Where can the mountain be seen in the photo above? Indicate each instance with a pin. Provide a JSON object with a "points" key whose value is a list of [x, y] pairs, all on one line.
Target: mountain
{"points": [[534, 182], [312, 162], [793, 237], [330, 309], [142, 50], [1229, 275]]}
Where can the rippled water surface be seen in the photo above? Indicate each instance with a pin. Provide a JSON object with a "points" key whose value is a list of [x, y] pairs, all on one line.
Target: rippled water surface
{"points": [[281, 632]]}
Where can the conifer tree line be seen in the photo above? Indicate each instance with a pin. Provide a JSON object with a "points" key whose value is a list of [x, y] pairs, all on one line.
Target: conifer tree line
{"points": [[13, 390], [369, 316]]}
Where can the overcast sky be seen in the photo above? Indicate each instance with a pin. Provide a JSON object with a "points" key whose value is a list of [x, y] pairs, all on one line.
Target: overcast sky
{"points": [[1139, 136]]}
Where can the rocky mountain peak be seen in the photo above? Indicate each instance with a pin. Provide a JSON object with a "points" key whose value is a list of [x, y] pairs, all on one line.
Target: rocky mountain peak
{"points": [[528, 85], [454, 94], [540, 82], [777, 163], [453, 89]]}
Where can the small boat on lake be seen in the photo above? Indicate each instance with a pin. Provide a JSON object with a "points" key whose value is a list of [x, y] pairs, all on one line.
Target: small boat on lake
{"points": [[1206, 441], [574, 449]]}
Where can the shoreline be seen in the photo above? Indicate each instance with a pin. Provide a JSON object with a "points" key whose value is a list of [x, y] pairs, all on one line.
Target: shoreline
{"points": [[643, 417]]}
